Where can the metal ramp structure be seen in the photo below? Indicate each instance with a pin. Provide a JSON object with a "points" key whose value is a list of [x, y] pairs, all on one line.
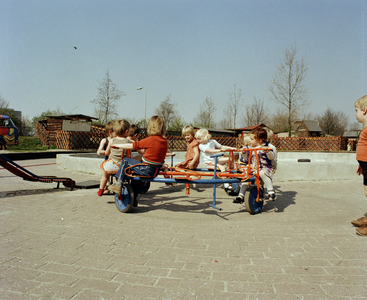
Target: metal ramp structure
{"points": [[17, 170]]}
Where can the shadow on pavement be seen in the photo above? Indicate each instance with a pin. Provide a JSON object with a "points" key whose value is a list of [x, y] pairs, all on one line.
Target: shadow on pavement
{"points": [[284, 199]]}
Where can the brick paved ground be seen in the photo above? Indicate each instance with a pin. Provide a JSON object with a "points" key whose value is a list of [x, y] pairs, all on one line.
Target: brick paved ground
{"points": [[74, 245]]}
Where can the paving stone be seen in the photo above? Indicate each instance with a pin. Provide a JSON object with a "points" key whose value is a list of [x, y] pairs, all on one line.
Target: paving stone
{"points": [[75, 245]]}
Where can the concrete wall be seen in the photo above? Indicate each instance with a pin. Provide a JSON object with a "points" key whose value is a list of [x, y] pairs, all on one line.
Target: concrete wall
{"points": [[322, 166]]}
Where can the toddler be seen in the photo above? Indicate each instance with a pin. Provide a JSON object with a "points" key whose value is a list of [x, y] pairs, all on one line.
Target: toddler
{"points": [[155, 149], [258, 139], [104, 142], [209, 147], [111, 165], [134, 133], [274, 162], [192, 157]]}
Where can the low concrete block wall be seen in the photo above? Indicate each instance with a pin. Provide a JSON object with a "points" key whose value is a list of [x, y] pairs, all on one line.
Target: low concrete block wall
{"points": [[322, 166]]}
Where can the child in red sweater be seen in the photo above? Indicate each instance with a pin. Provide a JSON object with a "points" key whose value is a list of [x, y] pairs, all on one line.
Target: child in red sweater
{"points": [[155, 149]]}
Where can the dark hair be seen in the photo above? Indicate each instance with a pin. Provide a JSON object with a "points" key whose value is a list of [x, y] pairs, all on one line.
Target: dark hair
{"points": [[134, 130], [260, 134]]}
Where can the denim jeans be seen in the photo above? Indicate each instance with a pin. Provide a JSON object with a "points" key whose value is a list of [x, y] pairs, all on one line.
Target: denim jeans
{"points": [[141, 169]]}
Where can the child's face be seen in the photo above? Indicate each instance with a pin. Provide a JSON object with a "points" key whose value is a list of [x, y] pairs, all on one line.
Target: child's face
{"points": [[188, 137], [360, 115], [254, 142], [201, 140], [134, 137]]}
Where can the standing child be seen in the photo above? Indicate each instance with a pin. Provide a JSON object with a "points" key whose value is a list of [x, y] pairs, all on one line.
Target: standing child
{"points": [[209, 147], [111, 165], [361, 115], [258, 139], [192, 157], [155, 149]]}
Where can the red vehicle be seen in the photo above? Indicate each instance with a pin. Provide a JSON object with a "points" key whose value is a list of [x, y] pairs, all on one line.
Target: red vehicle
{"points": [[8, 132]]}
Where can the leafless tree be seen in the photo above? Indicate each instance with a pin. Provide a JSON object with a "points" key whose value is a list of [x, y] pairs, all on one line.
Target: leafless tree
{"points": [[233, 107], [278, 121], [287, 87], [333, 122], [206, 115], [167, 111], [255, 113], [355, 126], [106, 101], [3, 102]]}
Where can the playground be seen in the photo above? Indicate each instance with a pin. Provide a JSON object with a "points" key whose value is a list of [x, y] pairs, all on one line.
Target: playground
{"points": [[64, 244]]}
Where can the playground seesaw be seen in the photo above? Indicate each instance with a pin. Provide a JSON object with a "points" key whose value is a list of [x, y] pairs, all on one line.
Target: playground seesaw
{"points": [[17, 170], [234, 176]]}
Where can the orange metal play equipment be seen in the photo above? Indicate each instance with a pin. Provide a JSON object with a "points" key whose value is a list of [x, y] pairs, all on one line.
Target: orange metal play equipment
{"points": [[235, 175]]}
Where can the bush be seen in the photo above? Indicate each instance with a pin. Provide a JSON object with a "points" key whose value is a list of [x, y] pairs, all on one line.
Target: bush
{"points": [[29, 143]]}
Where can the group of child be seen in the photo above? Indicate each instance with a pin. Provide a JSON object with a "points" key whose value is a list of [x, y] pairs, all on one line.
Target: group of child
{"points": [[153, 150], [118, 133]]}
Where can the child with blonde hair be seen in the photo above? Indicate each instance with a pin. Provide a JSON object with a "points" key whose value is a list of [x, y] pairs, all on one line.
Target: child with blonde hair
{"points": [[192, 157], [115, 154], [155, 149], [270, 134], [208, 147], [361, 115]]}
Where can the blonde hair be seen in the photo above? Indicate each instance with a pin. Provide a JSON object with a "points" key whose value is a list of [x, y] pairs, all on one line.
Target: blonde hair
{"points": [[203, 133], [246, 139], [109, 127], [156, 126], [361, 103], [120, 127], [188, 130], [270, 134]]}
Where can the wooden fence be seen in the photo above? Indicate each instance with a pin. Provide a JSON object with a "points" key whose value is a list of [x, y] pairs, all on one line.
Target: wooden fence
{"points": [[90, 140], [311, 143]]}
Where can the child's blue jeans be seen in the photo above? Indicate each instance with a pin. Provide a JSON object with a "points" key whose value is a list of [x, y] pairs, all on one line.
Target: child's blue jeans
{"points": [[140, 169]]}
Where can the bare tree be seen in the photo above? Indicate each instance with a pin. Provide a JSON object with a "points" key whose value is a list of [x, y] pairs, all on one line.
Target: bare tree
{"points": [[333, 122], [287, 86], [255, 113], [355, 126], [233, 107], [167, 111], [206, 115], [108, 95], [278, 121], [3, 102]]}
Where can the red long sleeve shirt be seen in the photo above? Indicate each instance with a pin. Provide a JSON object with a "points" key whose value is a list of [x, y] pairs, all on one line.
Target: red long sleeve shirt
{"points": [[155, 149], [362, 146]]}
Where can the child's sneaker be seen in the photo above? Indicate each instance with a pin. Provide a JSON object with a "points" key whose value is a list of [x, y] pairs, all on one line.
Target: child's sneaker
{"points": [[117, 189], [238, 199], [272, 197]]}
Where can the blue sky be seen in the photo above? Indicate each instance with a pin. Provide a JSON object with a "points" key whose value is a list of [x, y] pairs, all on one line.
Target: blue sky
{"points": [[190, 49]]}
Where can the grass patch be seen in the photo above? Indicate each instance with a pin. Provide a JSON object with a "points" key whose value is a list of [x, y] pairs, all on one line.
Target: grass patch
{"points": [[29, 143]]}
